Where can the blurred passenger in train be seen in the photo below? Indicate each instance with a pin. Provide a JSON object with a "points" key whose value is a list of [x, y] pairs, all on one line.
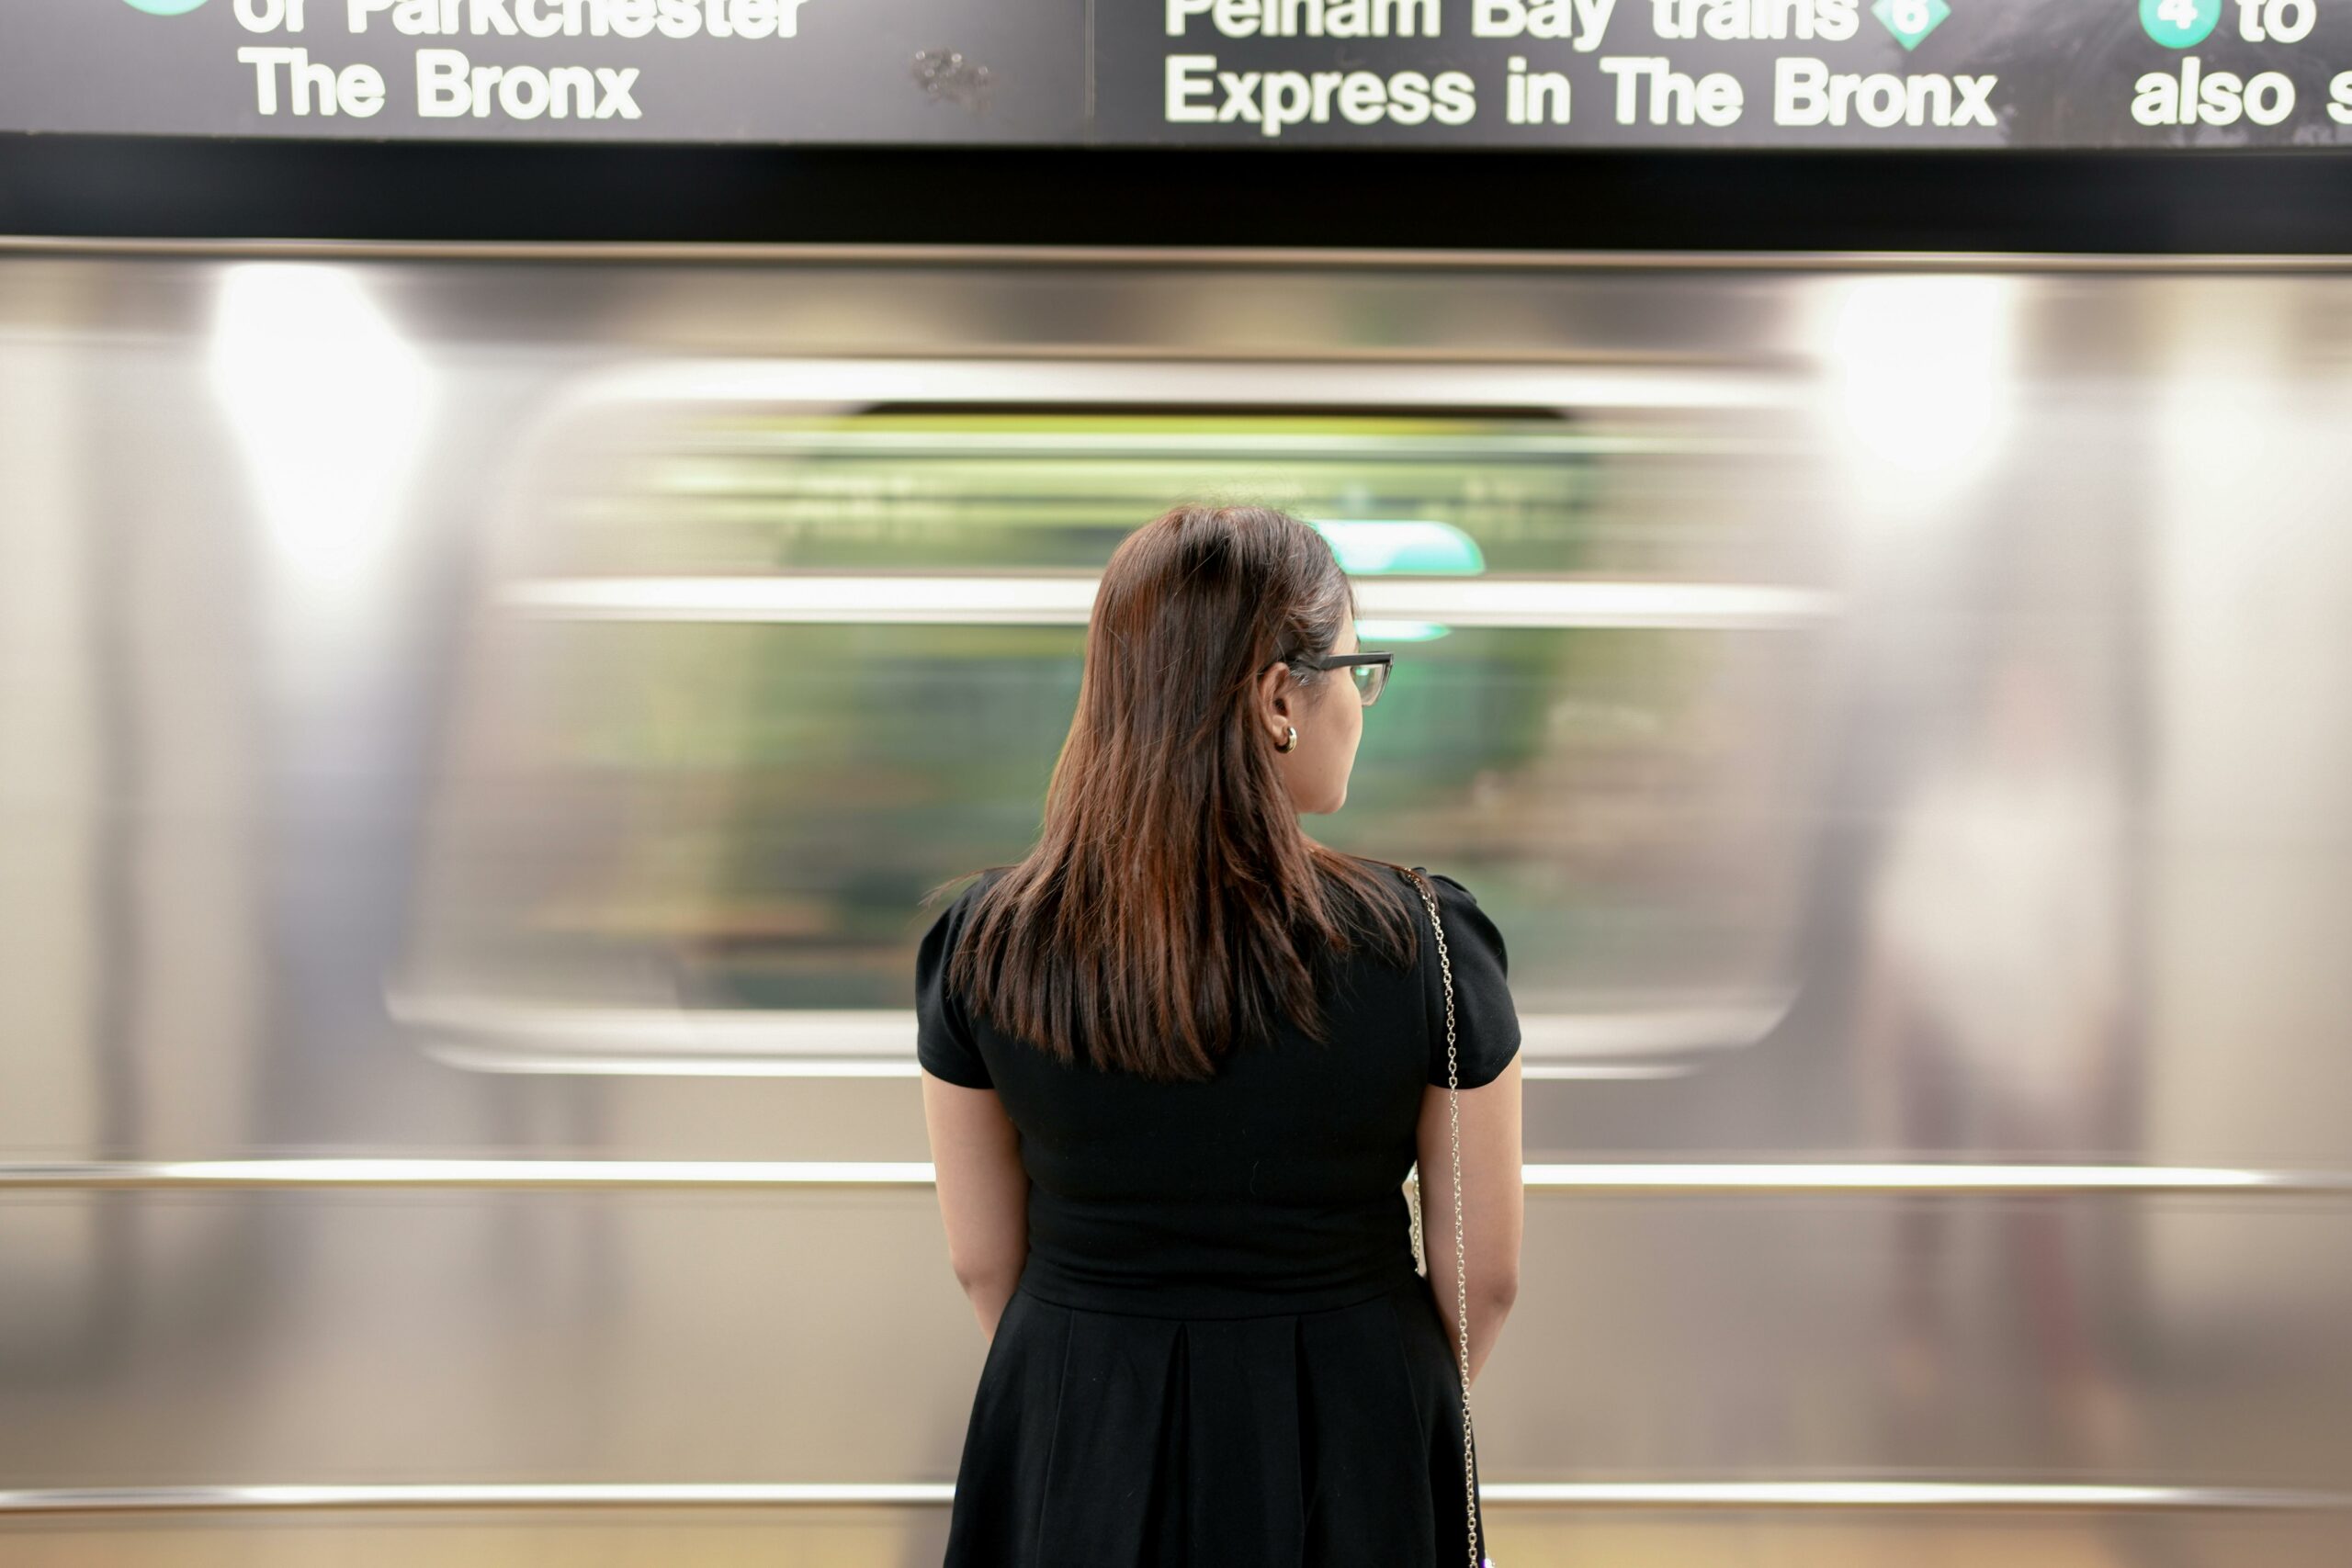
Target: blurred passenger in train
{"points": [[1992, 1007], [1177, 1062]]}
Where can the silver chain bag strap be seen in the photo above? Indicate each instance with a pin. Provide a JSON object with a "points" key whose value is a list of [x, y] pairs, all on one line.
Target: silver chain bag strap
{"points": [[1413, 1201]]}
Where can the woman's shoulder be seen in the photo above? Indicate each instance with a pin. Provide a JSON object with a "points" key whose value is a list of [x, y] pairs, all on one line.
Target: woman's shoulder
{"points": [[1460, 915], [1461, 911], [1448, 888], [1478, 963]]}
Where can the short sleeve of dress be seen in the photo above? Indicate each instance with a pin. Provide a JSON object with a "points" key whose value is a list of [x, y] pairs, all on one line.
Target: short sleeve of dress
{"points": [[943, 1039], [1486, 1022]]}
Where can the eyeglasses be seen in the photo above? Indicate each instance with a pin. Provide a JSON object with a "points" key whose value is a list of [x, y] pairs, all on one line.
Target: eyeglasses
{"points": [[1368, 671]]}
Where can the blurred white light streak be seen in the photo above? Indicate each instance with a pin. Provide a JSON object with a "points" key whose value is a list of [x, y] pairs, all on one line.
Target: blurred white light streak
{"points": [[481, 1035], [1922, 376], [1916, 1177], [1542, 446], [1068, 600], [1897, 1494], [1635, 1494], [845, 1032], [328, 400], [558, 1063]]}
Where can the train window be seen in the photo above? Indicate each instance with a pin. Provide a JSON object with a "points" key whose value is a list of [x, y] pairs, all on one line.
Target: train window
{"points": [[760, 661]]}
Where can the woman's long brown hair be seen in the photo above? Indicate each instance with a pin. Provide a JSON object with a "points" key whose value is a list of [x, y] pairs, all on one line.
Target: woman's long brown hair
{"points": [[1171, 910]]}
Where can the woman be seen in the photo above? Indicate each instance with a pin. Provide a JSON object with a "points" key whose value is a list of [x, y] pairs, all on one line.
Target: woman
{"points": [[1177, 1062]]}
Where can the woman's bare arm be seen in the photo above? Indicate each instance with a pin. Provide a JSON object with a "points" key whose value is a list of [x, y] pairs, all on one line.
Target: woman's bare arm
{"points": [[1494, 1205], [983, 1192]]}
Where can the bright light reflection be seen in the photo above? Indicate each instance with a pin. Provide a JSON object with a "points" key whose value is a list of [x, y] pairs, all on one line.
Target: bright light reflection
{"points": [[1922, 368], [1737, 1495], [328, 400]]}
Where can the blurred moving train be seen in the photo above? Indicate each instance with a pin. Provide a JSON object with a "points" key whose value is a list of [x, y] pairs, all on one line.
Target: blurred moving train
{"points": [[476, 727]]}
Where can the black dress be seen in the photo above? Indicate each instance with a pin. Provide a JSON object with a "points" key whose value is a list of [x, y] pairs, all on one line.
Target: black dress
{"points": [[1219, 1354]]}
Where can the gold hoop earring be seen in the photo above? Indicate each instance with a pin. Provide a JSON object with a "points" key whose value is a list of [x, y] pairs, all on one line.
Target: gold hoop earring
{"points": [[1290, 742]]}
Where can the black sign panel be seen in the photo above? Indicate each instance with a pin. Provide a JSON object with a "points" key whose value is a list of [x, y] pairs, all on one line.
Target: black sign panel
{"points": [[1267, 73]]}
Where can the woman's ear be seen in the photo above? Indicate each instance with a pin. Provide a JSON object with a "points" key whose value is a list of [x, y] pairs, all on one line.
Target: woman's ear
{"points": [[1271, 692]]}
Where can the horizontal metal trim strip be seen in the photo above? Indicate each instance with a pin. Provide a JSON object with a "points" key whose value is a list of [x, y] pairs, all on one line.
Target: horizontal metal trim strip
{"points": [[1625, 1178], [1185, 258], [1751, 1495]]}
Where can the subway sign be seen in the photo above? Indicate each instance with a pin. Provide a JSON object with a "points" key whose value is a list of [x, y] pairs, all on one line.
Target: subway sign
{"points": [[1265, 73]]}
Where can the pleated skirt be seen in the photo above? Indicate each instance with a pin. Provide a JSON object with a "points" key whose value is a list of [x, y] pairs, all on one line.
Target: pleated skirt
{"points": [[1314, 1440]]}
